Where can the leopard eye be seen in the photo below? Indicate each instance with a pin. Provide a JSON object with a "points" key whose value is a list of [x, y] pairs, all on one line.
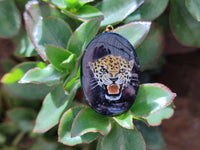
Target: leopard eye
{"points": [[103, 70], [122, 70]]}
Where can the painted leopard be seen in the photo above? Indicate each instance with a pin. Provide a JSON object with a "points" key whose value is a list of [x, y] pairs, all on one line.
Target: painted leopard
{"points": [[113, 73]]}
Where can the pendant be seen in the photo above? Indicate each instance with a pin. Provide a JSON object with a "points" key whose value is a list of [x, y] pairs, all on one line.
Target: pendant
{"points": [[109, 74]]}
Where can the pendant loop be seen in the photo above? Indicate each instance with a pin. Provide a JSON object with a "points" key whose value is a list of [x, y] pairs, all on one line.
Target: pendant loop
{"points": [[109, 28]]}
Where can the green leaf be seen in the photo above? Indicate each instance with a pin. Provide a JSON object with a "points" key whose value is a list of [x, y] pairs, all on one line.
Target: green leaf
{"points": [[163, 21], [25, 91], [134, 32], [23, 118], [155, 119], [2, 138], [88, 120], [43, 144], [85, 1], [34, 13], [10, 19], [53, 31], [149, 10], [7, 64], [71, 5], [117, 10], [150, 51], [125, 120], [123, 139], [64, 130], [59, 3], [24, 46], [75, 75], [55, 103], [152, 136], [57, 55], [82, 36], [193, 8], [48, 75], [85, 13], [8, 128], [184, 26], [21, 4], [99, 143], [12, 77], [69, 63], [151, 98]]}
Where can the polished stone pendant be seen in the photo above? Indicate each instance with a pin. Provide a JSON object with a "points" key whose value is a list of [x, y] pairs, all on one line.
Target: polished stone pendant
{"points": [[109, 74]]}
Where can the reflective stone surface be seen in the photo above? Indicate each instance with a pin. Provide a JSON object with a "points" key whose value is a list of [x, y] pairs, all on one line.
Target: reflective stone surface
{"points": [[109, 74]]}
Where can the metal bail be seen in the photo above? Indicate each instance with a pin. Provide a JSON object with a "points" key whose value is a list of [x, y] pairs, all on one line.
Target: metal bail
{"points": [[109, 28]]}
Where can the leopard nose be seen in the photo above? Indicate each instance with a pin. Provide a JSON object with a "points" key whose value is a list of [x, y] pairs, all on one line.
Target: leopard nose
{"points": [[113, 79]]}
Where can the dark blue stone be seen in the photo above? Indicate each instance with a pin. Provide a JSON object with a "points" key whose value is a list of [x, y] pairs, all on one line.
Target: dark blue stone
{"points": [[109, 74]]}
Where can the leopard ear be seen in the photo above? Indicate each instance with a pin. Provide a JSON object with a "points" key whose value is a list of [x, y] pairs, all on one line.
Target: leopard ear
{"points": [[91, 64], [131, 63]]}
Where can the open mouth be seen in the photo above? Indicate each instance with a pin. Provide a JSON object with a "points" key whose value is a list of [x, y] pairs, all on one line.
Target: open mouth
{"points": [[113, 89], [113, 92]]}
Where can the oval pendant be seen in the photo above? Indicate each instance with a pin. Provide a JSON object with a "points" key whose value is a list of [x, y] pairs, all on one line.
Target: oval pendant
{"points": [[109, 74]]}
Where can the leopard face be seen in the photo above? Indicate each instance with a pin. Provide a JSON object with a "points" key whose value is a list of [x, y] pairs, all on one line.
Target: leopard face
{"points": [[113, 73]]}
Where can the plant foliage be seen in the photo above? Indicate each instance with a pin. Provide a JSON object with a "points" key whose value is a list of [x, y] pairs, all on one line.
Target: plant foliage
{"points": [[52, 40]]}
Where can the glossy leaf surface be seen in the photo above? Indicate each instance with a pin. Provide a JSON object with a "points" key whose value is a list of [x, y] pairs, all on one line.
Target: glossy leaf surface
{"points": [[85, 13], [70, 62], [82, 36], [125, 120], [150, 51], [88, 120], [75, 75], [193, 8], [53, 31], [64, 131], [149, 10], [120, 138], [155, 119], [151, 98], [184, 26], [57, 55], [10, 19], [25, 91], [53, 107], [59, 3], [48, 75], [117, 10], [34, 13], [71, 5], [24, 46], [134, 32], [85, 1]]}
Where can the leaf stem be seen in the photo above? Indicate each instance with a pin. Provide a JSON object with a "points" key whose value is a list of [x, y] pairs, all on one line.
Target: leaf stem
{"points": [[18, 139]]}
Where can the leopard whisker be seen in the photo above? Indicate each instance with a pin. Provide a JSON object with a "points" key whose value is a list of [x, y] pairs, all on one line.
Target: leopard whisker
{"points": [[134, 79], [93, 83], [107, 79], [94, 86], [134, 84], [94, 80], [134, 75], [120, 80]]}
